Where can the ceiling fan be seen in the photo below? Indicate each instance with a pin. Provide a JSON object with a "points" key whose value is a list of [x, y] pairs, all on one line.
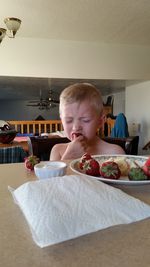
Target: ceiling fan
{"points": [[44, 103]]}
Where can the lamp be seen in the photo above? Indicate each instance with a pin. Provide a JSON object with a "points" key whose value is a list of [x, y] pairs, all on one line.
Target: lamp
{"points": [[13, 25], [2, 34]]}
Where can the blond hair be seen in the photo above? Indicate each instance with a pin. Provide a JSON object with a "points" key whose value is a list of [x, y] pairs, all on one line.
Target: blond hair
{"points": [[80, 92]]}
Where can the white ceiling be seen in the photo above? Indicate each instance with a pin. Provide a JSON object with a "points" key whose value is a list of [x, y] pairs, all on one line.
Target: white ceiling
{"points": [[110, 21], [107, 21]]}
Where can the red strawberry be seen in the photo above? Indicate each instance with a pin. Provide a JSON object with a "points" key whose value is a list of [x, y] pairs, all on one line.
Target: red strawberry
{"points": [[110, 170], [137, 174], [91, 167], [30, 162], [146, 167], [83, 159]]}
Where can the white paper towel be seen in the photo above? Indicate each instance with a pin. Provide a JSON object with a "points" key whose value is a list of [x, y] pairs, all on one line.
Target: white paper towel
{"points": [[63, 208]]}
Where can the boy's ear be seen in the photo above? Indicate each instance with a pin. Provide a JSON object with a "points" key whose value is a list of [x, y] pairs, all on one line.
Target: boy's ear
{"points": [[102, 119]]}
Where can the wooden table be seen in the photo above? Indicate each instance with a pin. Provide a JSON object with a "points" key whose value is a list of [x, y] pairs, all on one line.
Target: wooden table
{"points": [[123, 245]]}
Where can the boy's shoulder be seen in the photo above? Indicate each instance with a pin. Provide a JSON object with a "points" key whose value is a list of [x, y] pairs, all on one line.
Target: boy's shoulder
{"points": [[108, 148], [58, 150]]}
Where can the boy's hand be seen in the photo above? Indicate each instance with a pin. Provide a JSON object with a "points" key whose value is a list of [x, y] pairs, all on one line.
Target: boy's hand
{"points": [[75, 135], [76, 148]]}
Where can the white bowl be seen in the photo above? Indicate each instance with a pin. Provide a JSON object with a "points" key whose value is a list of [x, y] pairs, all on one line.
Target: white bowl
{"points": [[48, 169]]}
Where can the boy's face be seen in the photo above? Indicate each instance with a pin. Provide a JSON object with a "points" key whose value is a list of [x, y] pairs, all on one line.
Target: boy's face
{"points": [[80, 119]]}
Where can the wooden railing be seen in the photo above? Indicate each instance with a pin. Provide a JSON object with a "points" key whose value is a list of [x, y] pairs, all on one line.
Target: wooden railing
{"points": [[37, 127], [49, 126]]}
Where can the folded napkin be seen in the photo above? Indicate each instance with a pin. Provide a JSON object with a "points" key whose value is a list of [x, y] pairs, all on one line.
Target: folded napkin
{"points": [[63, 208]]}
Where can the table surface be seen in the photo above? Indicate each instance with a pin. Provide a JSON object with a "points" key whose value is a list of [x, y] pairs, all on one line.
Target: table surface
{"points": [[122, 245]]}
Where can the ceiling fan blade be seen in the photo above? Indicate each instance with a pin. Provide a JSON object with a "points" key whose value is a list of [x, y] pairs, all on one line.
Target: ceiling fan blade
{"points": [[33, 101], [47, 103], [38, 101], [32, 105]]}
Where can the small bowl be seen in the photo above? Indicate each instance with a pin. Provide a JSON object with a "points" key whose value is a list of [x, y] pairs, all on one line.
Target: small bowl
{"points": [[49, 169]]}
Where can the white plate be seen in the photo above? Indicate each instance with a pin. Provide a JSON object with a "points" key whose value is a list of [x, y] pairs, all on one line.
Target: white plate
{"points": [[123, 180]]}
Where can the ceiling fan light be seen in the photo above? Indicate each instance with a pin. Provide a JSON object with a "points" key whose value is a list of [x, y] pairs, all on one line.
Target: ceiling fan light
{"points": [[13, 25]]}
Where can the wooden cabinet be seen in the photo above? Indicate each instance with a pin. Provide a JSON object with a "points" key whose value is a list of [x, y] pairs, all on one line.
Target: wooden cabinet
{"points": [[108, 105], [108, 110], [108, 122]]}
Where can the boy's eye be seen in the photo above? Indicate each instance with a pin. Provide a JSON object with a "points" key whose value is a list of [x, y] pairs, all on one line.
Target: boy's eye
{"points": [[69, 120], [86, 120]]}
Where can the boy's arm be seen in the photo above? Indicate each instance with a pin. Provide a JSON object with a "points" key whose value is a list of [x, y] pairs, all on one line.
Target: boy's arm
{"points": [[71, 150], [55, 152]]}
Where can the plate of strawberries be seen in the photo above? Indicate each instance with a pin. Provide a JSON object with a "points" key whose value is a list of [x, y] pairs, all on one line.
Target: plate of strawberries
{"points": [[116, 169]]}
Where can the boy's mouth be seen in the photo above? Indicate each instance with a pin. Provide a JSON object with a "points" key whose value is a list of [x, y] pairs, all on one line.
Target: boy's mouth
{"points": [[74, 135]]}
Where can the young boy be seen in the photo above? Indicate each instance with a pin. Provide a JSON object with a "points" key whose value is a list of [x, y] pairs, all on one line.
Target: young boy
{"points": [[81, 113]]}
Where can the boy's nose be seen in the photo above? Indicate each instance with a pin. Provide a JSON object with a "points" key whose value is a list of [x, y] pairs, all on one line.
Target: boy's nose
{"points": [[76, 125]]}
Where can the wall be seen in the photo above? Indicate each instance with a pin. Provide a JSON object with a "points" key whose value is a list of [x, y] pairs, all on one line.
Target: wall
{"points": [[137, 109], [119, 102], [18, 110], [68, 59]]}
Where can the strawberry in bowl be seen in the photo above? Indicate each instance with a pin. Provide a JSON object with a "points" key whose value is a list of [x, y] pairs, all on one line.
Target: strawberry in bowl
{"points": [[30, 162]]}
